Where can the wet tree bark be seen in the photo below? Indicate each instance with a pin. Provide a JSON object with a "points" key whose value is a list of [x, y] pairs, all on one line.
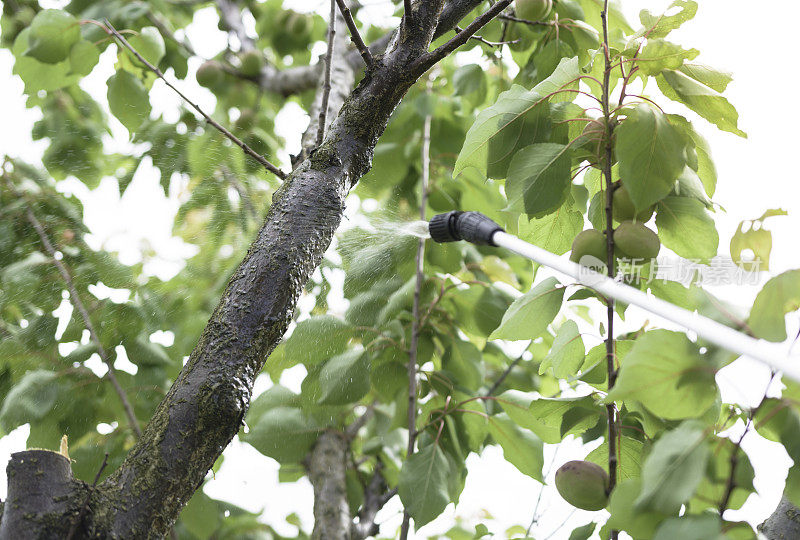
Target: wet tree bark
{"points": [[204, 408], [783, 524]]}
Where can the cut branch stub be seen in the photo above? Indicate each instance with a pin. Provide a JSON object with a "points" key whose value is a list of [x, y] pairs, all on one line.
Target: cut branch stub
{"points": [[40, 486]]}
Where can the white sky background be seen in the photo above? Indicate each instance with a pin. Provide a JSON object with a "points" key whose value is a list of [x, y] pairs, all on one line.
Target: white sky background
{"points": [[752, 40]]}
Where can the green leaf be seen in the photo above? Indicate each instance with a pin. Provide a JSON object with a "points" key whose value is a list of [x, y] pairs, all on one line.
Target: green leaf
{"points": [[30, 399], [304, 345], [630, 456], [583, 532], [651, 155], [689, 527], [792, 490], [660, 54], [521, 448], [665, 373], [639, 523], [283, 434], [714, 484], [538, 178], [506, 119], [543, 416], [686, 228], [128, 99], [701, 99], [656, 26], [149, 43], [463, 360], [759, 241], [529, 315], [714, 79], [779, 296], [83, 56], [674, 468], [38, 75], [567, 353], [423, 484], [344, 378], [553, 232], [52, 33]]}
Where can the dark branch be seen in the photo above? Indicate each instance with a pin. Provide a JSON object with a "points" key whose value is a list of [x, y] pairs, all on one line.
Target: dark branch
{"points": [[238, 142], [355, 37], [375, 497], [427, 61]]}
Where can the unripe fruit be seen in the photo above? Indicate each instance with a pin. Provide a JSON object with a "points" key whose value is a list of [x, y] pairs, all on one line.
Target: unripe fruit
{"points": [[251, 63], [532, 10], [635, 241], [624, 210], [209, 74], [583, 484], [52, 33], [590, 242]]}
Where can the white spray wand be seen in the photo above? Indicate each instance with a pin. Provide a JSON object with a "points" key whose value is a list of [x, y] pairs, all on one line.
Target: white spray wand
{"points": [[479, 229]]}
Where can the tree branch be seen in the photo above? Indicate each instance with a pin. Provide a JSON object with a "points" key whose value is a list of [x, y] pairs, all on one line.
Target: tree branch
{"points": [[428, 60], [355, 37], [783, 523], [77, 304], [238, 142], [375, 497]]}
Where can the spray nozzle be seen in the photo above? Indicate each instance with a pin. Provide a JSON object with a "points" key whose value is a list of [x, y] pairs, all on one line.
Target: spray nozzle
{"points": [[470, 226]]}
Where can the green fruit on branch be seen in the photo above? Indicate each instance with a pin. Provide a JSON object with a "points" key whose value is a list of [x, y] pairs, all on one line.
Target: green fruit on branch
{"points": [[635, 241], [532, 10], [589, 243], [210, 74], [624, 210], [52, 33], [583, 484], [251, 63]]}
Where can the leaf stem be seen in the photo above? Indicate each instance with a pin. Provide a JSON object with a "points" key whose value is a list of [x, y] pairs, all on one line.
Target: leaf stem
{"points": [[326, 85]]}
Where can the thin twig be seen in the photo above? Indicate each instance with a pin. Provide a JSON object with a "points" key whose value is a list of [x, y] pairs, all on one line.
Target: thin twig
{"points": [[326, 85], [505, 373], [415, 311], [476, 37], [352, 430], [730, 485], [75, 524], [355, 37], [611, 408], [512, 18], [431, 58], [87, 322], [238, 142]]}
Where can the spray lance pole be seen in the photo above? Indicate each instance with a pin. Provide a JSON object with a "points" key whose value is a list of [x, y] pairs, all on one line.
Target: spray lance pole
{"points": [[478, 229]]}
